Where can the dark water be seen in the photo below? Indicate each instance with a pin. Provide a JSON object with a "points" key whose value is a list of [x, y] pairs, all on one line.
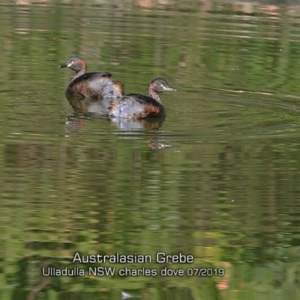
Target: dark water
{"points": [[218, 179]]}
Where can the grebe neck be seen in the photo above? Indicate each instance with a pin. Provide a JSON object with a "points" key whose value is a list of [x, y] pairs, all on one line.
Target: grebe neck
{"points": [[154, 95], [80, 69], [79, 73]]}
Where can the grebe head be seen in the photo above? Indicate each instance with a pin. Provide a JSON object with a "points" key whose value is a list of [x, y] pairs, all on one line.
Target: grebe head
{"points": [[160, 85], [75, 63]]}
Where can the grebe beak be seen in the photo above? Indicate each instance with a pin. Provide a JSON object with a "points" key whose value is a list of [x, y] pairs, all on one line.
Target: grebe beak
{"points": [[65, 65], [169, 89]]}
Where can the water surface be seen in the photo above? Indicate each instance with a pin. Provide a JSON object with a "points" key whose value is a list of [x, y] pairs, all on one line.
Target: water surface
{"points": [[218, 179]]}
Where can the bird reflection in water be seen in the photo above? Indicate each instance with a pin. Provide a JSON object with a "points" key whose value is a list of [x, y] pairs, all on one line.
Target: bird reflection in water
{"points": [[90, 107], [85, 109], [138, 124], [158, 144], [150, 125]]}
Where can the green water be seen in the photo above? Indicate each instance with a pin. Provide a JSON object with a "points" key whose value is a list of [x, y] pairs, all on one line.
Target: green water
{"points": [[218, 179]]}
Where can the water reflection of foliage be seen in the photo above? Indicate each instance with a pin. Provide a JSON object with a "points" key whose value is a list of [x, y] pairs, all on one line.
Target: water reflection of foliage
{"points": [[140, 200], [146, 216]]}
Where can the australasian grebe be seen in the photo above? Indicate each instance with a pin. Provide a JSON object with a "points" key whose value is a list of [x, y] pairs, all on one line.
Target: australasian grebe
{"points": [[92, 84], [136, 106]]}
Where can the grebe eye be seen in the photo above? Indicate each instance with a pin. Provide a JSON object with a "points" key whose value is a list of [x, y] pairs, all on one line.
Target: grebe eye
{"points": [[70, 64]]}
